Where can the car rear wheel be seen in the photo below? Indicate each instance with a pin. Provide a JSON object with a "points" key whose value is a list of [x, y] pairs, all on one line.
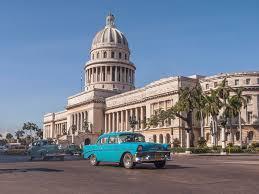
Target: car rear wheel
{"points": [[128, 161], [93, 160], [160, 164]]}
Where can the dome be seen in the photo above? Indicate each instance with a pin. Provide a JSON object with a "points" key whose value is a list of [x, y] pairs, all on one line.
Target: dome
{"points": [[109, 36]]}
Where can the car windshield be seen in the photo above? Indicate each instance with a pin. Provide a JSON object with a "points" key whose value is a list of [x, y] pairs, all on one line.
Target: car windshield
{"points": [[131, 138]]}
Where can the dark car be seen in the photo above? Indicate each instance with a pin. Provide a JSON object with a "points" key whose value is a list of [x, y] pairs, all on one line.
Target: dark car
{"points": [[45, 150], [73, 149]]}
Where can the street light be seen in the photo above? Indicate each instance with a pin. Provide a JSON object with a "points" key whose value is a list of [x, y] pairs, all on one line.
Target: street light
{"points": [[133, 122]]}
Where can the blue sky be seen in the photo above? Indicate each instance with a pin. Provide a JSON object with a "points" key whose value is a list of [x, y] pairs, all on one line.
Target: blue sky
{"points": [[44, 45]]}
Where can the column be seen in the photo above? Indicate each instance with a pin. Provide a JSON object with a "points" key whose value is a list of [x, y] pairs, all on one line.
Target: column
{"points": [[141, 118], [131, 114], [105, 77], [116, 76], [137, 119], [126, 120], [120, 74], [117, 121], [105, 123], [110, 120], [101, 77], [122, 120], [114, 122]]}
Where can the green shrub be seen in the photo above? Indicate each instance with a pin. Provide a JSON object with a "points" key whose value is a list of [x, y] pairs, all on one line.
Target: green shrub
{"points": [[202, 142], [199, 150], [176, 142], [234, 149], [250, 149], [216, 149], [255, 144], [178, 150]]}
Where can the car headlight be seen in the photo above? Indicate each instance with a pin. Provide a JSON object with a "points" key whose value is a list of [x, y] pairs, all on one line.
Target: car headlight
{"points": [[140, 148]]}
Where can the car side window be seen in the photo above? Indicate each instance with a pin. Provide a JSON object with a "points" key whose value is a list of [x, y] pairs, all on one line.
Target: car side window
{"points": [[113, 140], [104, 140], [38, 143]]}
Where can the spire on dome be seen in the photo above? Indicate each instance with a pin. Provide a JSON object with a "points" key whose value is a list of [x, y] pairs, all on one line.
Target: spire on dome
{"points": [[110, 20]]}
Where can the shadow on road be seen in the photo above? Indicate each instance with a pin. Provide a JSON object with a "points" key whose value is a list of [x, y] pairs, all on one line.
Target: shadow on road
{"points": [[15, 170], [147, 166]]}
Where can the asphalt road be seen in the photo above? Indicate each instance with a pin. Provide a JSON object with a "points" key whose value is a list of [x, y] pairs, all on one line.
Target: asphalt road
{"points": [[186, 174]]}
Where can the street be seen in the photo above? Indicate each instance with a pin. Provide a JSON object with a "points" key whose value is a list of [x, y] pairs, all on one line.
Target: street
{"points": [[185, 174]]}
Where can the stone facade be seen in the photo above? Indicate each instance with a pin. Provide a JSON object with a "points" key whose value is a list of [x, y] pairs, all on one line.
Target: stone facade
{"points": [[110, 99]]}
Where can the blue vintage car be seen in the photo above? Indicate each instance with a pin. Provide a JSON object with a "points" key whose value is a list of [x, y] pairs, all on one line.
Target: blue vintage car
{"points": [[127, 149]]}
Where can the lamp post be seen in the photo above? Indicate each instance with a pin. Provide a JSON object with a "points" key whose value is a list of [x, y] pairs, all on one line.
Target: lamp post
{"points": [[133, 122], [73, 130]]}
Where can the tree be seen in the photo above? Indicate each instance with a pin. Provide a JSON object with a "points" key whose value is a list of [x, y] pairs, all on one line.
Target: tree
{"points": [[224, 94], [1, 135], [9, 136], [200, 108], [39, 133], [212, 107], [240, 100], [183, 109], [32, 127], [19, 134]]}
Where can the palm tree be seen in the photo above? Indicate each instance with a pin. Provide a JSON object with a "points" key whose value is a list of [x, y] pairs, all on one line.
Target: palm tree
{"points": [[200, 108], [224, 93], [212, 107], [32, 127], [240, 101], [9, 136], [19, 134]]}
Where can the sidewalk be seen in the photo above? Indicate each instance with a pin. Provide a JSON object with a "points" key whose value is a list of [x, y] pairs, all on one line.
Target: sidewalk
{"points": [[218, 154]]}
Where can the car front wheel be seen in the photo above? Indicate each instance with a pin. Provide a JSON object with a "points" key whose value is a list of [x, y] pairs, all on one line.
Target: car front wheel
{"points": [[93, 160], [160, 164], [128, 161]]}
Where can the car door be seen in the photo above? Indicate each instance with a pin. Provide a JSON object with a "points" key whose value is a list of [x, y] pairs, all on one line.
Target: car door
{"points": [[113, 149], [101, 149]]}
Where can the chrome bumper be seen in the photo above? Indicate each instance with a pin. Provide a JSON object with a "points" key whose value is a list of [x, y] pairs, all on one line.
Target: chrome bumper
{"points": [[142, 157]]}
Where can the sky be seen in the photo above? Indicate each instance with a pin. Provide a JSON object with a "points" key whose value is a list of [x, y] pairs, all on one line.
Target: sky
{"points": [[45, 44]]}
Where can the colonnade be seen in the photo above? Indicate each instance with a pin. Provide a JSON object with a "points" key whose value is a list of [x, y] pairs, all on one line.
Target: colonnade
{"points": [[119, 120], [47, 131], [109, 74], [58, 130], [78, 120]]}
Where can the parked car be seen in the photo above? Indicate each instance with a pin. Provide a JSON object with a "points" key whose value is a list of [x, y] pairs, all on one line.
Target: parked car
{"points": [[127, 149], [3, 149], [73, 149], [45, 150], [14, 149]]}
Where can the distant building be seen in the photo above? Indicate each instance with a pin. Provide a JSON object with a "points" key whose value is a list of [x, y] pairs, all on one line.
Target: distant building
{"points": [[110, 99]]}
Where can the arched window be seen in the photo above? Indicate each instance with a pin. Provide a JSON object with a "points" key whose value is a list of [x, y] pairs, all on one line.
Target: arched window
{"points": [[119, 55], [238, 136], [167, 140], [125, 56], [98, 55], [160, 138], [250, 135], [154, 138], [112, 54], [105, 54]]}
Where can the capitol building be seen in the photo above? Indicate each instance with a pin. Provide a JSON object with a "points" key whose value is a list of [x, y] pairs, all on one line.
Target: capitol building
{"points": [[110, 102]]}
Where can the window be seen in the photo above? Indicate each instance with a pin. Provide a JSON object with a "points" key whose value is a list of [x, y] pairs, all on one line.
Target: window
{"points": [[113, 140], [249, 117], [125, 56], [104, 140], [131, 138], [257, 80], [93, 56], [105, 54], [154, 138], [250, 135], [119, 55], [236, 82], [247, 81], [226, 83], [98, 55], [215, 84], [207, 86], [238, 136], [112, 54]]}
